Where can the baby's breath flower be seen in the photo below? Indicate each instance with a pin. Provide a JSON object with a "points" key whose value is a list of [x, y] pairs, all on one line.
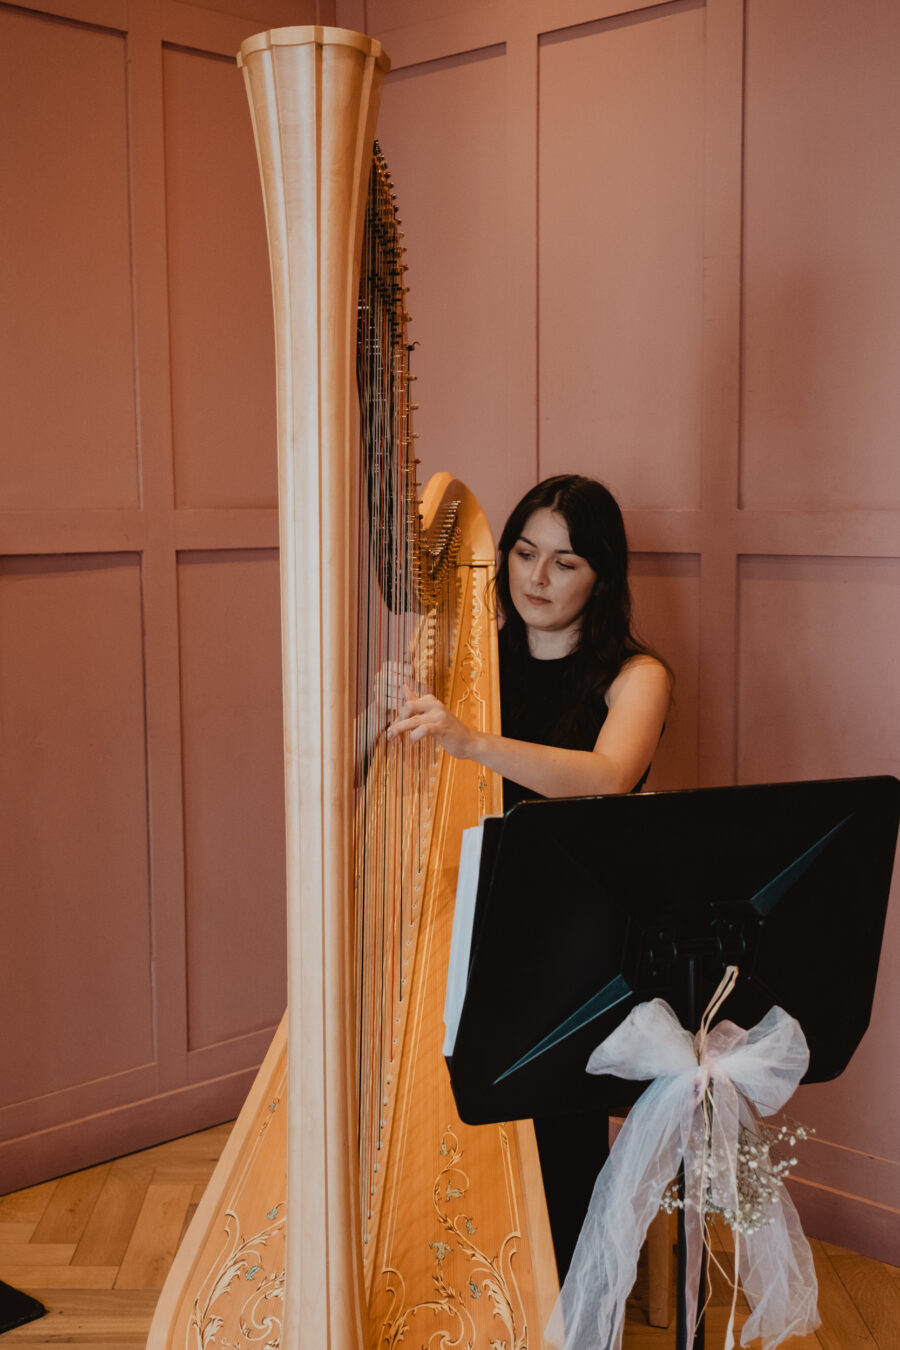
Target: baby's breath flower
{"points": [[758, 1177]]}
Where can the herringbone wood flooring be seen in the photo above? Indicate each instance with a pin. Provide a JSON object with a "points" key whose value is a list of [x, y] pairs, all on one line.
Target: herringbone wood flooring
{"points": [[95, 1246]]}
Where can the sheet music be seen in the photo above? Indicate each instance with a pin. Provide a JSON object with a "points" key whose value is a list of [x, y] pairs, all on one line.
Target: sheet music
{"points": [[461, 936]]}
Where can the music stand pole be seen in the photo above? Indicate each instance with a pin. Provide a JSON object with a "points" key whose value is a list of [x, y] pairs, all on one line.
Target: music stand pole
{"points": [[699, 1340]]}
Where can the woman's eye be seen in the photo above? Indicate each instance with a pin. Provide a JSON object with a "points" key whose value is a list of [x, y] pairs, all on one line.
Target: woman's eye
{"points": [[566, 567], [524, 555]]}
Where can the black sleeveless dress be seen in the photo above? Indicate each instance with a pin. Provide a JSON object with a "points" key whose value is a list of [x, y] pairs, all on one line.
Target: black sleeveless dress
{"points": [[572, 1149], [531, 695]]}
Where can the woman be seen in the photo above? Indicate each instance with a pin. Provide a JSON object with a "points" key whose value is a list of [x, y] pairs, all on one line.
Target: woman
{"points": [[583, 701], [583, 704]]}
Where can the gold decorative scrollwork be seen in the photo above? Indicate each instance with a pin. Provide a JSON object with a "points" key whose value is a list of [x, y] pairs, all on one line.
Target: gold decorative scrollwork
{"points": [[260, 1313], [486, 1276], [472, 670]]}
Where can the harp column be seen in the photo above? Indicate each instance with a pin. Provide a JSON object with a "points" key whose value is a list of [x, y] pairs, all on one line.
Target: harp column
{"points": [[314, 95]]}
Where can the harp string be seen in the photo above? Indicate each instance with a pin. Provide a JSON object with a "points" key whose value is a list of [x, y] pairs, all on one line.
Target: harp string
{"points": [[406, 620]]}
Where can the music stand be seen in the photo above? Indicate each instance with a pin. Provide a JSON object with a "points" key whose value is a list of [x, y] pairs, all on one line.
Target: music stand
{"points": [[17, 1308], [589, 906]]}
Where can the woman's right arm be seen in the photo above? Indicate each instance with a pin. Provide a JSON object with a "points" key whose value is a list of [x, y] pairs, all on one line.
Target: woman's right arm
{"points": [[638, 701]]}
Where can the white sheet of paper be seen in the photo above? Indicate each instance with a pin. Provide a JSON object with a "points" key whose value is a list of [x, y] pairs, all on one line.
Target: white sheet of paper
{"points": [[461, 936]]}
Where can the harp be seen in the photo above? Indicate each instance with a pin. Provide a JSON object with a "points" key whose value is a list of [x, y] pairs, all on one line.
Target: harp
{"points": [[351, 1208]]}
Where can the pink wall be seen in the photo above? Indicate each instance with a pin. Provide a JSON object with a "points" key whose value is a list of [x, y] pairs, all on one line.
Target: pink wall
{"points": [[140, 705], [656, 242]]}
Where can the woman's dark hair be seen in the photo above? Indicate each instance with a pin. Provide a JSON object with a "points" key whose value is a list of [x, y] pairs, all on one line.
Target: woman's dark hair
{"points": [[607, 639]]}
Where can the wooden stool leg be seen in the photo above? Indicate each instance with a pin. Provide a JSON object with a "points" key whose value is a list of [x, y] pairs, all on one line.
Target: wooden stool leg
{"points": [[659, 1268]]}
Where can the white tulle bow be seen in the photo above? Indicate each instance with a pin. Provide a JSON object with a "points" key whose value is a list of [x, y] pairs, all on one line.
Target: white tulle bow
{"points": [[666, 1127]]}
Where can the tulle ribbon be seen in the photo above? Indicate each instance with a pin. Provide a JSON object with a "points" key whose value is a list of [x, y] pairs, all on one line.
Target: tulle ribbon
{"points": [[673, 1123]]}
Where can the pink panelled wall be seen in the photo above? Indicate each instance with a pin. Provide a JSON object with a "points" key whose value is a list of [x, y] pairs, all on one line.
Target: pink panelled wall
{"points": [[143, 964], [652, 242], [656, 242]]}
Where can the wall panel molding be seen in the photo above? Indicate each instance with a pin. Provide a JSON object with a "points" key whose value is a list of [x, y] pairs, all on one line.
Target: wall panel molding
{"points": [[211, 32], [112, 14], [756, 502], [67, 397], [139, 1081], [80, 1141]]}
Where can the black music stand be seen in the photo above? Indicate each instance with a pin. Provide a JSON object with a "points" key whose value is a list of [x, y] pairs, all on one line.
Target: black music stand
{"points": [[17, 1308], [589, 906]]}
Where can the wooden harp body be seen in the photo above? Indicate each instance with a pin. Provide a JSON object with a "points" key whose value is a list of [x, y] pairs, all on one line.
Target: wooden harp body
{"points": [[351, 1209]]}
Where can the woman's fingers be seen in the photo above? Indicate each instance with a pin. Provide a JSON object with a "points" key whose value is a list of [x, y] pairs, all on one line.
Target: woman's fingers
{"points": [[393, 679], [426, 716], [417, 703], [418, 713], [401, 725]]}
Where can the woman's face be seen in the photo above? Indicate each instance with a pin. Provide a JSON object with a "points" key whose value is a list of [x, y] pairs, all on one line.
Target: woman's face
{"points": [[549, 584]]}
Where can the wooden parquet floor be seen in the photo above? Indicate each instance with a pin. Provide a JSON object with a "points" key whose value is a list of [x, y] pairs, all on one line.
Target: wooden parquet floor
{"points": [[95, 1246]]}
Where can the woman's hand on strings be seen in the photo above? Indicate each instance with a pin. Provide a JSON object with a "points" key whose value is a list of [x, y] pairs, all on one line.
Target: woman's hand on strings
{"points": [[423, 715], [386, 699], [393, 682]]}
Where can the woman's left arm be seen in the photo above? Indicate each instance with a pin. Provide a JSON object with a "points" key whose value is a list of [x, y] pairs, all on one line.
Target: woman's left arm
{"points": [[638, 700]]}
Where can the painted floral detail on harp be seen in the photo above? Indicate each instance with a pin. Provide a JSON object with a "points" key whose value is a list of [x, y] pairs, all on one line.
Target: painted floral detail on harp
{"points": [[484, 1274], [473, 660], [267, 1118], [472, 666], [259, 1311]]}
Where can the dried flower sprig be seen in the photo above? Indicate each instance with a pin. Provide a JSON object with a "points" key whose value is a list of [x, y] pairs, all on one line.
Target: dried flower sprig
{"points": [[758, 1175]]}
